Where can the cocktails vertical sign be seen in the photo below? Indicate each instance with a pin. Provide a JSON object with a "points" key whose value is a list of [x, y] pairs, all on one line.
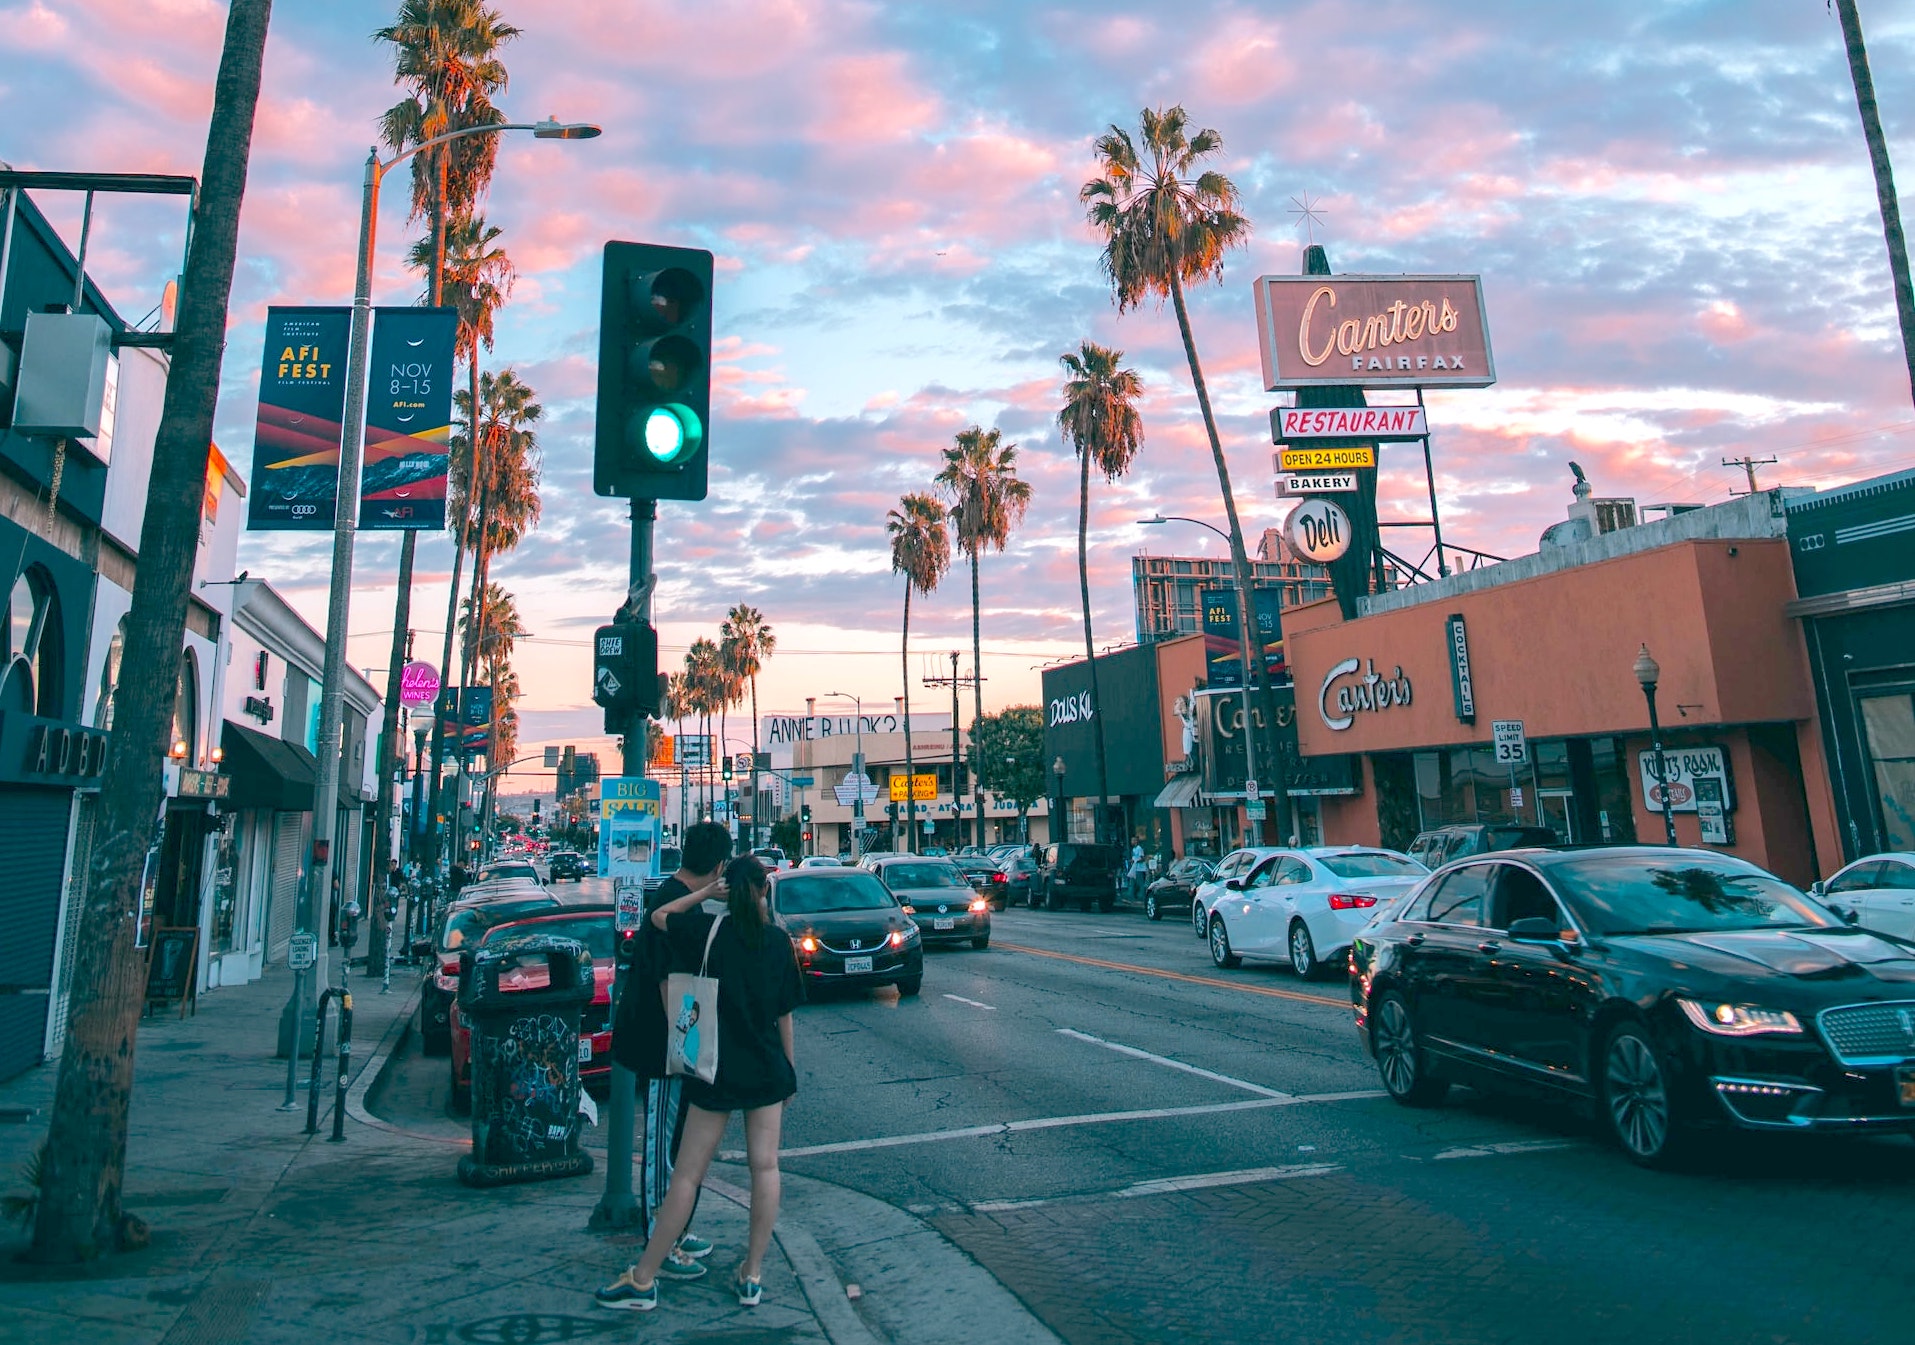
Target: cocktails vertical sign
{"points": [[302, 396], [409, 419]]}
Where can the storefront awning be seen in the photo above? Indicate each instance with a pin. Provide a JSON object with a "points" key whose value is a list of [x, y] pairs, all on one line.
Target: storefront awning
{"points": [[267, 772], [1180, 793]]}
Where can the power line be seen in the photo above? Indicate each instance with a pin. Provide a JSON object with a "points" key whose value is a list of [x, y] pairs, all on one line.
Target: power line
{"points": [[1748, 465]]}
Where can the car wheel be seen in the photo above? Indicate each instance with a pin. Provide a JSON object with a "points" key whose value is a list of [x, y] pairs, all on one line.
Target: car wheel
{"points": [[1151, 910], [910, 986], [1638, 1106], [434, 1039], [1106, 904], [1051, 902], [1197, 919], [1303, 951], [1399, 1060], [1220, 945], [982, 943]]}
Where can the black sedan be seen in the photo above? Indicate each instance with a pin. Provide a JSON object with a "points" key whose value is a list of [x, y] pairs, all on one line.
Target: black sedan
{"points": [[566, 864], [848, 929], [1674, 990], [1177, 888], [986, 877]]}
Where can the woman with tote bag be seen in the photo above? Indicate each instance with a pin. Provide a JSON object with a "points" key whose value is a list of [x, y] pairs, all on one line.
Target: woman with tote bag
{"points": [[757, 985]]}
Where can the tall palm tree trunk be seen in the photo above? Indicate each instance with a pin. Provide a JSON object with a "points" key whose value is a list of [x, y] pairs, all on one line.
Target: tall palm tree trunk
{"points": [[755, 797], [977, 709], [1239, 559], [83, 1164], [1884, 179], [1090, 647], [910, 764]]}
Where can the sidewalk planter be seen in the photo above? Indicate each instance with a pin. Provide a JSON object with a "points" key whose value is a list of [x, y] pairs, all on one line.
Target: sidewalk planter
{"points": [[523, 999]]}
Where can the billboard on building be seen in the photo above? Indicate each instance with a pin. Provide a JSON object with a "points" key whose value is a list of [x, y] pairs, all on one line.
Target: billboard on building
{"points": [[302, 399], [1223, 648], [1126, 703], [408, 419], [776, 731], [1373, 332]]}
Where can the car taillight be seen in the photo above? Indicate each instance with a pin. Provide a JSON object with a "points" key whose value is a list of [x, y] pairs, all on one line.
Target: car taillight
{"points": [[1341, 901], [997, 877]]}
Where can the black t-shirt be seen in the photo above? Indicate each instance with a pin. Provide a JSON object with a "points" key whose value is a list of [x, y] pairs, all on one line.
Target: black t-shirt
{"points": [[756, 987], [638, 1037]]}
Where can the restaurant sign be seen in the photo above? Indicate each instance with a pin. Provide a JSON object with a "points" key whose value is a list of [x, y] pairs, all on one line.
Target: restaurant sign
{"points": [[1373, 331], [1291, 423], [1693, 772]]}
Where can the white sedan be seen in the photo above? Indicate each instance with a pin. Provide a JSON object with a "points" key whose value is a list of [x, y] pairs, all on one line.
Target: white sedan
{"points": [[1880, 890], [1304, 906], [1236, 864], [821, 862]]}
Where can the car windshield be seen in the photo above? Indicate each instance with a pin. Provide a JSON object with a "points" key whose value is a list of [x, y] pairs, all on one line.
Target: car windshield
{"points": [[1635, 894], [816, 893], [469, 923], [594, 931], [1371, 866], [923, 875], [508, 871]]}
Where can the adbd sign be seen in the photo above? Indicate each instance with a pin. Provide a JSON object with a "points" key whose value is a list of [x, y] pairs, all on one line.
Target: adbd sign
{"points": [[1373, 331]]}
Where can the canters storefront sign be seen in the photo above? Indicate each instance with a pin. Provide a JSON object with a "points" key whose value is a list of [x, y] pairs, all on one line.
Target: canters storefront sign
{"points": [[1354, 687], [1373, 331]]}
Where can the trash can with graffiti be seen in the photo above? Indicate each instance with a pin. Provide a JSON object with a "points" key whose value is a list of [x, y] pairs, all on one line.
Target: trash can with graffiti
{"points": [[523, 997]]}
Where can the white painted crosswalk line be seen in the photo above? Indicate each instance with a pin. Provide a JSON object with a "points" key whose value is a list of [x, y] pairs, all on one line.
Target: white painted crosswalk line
{"points": [[1169, 1063]]}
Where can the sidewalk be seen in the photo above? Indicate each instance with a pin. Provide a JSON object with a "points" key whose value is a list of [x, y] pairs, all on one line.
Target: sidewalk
{"points": [[263, 1234]]}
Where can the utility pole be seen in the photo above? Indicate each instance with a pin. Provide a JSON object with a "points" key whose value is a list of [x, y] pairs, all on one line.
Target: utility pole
{"points": [[955, 682], [1748, 465]]}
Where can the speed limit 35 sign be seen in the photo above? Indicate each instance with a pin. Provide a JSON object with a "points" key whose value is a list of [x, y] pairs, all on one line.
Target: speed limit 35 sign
{"points": [[1512, 748]]}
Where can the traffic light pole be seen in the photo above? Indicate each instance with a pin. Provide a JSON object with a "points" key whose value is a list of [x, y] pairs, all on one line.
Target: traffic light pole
{"points": [[618, 1207]]}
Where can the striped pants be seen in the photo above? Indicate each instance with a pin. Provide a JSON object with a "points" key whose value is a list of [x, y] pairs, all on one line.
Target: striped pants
{"points": [[664, 1104]]}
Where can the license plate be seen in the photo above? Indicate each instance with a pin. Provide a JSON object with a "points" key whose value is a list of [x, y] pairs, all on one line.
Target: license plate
{"points": [[854, 965], [584, 1050], [944, 924], [1905, 1084]]}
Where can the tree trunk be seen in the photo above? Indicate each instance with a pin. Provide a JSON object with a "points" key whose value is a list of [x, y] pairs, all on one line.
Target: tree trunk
{"points": [[1090, 648], [1240, 560], [1884, 179], [755, 797], [910, 765], [977, 710], [79, 1215]]}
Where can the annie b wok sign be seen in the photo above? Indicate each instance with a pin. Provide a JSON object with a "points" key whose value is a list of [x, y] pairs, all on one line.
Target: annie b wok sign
{"points": [[1373, 331]]}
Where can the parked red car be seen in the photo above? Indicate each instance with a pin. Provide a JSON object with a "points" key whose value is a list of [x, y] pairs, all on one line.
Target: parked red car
{"points": [[591, 926]]}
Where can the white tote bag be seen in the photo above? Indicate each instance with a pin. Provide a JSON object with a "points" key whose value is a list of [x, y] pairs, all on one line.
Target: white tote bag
{"points": [[691, 1008]]}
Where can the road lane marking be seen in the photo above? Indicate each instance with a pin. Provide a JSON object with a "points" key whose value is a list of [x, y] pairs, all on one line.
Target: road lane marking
{"points": [[1508, 1147], [1168, 1063], [1056, 1123], [1164, 1186], [1270, 991], [973, 1003]]}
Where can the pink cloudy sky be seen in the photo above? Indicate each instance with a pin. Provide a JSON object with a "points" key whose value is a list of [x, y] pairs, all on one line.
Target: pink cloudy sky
{"points": [[1669, 203]]}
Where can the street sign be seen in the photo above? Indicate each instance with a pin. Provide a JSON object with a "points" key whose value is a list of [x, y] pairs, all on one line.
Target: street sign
{"points": [[923, 786], [1516, 797], [302, 952], [1250, 790], [1254, 810], [1290, 423], [1316, 483], [803, 781], [1512, 748], [857, 788], [1318, 459]]}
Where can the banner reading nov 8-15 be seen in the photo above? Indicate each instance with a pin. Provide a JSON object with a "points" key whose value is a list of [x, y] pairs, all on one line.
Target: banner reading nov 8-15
{"points": [[302, 396], [408, 419]]}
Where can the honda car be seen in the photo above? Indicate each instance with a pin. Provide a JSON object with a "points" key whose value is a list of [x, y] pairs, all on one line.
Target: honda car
{"points": [[848, 929]]}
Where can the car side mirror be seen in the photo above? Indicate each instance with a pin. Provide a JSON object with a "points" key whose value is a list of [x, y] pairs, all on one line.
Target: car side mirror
{"points": [[1818, 889], [1850, 915], [1535, 929], [1233, 884]]}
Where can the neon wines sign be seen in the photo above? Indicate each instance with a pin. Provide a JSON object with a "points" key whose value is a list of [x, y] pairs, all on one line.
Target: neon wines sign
{"points": [[1072, 710], [1369, 693]]}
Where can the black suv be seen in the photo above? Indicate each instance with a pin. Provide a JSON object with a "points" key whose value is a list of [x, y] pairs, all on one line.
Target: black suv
{"points": [[1434, 849], [567, 864], [1074, 871]]}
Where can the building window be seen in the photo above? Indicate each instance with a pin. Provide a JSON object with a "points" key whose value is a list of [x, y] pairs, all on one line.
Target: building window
{"points": [[110, 678], [30, 671], [186, 709]]}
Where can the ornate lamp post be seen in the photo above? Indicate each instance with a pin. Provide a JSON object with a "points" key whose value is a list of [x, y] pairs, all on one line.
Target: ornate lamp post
{"points": [[1060, 826], [1647, 673]]}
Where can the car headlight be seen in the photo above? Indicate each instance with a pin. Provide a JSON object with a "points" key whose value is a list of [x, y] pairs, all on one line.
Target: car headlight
{"points": [[980, 905], [1740, 1020]]}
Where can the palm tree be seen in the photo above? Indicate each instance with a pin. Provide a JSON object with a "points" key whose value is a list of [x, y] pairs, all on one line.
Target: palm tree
{"points": [[748, 641], [988, 500], [921, 552], [704, 681], [1100, 421], [1167, 222], [1884, 178], [79, 1215], [445, 56], [506, 473]]}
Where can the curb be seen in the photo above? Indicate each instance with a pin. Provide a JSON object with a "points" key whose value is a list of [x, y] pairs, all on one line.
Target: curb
{"points": [[823, 1290], [374, 1071]]}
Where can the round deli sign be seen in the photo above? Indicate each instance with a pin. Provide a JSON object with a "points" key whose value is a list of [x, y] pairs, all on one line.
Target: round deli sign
{"points": [[418, 684], [1317, 531]]}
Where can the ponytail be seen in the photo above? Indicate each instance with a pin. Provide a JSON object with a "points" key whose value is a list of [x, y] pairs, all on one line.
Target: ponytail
{"points": [[745, 878]]}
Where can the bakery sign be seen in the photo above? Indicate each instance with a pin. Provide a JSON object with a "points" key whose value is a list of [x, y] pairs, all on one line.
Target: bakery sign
{"points": [[1373, 331]]}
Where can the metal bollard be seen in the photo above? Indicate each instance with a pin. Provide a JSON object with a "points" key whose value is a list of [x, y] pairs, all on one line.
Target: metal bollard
{"points": [[345, 1064]]}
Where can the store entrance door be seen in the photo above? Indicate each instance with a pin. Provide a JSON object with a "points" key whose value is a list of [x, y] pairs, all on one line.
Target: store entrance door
{"points": [[1556, 809]]}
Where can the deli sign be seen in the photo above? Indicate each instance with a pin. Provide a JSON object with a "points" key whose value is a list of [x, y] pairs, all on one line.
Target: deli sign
{"points": [[1373, 331]]}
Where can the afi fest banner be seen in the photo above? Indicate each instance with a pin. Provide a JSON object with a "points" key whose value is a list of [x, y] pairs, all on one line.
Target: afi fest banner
{"points": [[302, 396], [408, 419]]}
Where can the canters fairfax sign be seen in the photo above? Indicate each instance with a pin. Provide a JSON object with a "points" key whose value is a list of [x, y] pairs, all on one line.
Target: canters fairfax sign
{"points": [[1373, 331]]}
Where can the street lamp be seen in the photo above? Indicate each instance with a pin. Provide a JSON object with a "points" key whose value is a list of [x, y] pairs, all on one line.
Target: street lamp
{"points": [[1647, 673], [345, 527], [857, 770], [1244, 620], [1059, 827]]}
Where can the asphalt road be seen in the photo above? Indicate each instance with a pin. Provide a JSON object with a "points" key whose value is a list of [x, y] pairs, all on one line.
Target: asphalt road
{"points": [[1145, 1148]]}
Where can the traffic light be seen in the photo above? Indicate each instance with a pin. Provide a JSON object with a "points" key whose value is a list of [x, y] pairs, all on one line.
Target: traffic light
{"points": [[727, 768], [654, 373], [804, 813]]}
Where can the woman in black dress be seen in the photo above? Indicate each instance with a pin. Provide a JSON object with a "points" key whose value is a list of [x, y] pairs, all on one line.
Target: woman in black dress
{"points": [[758, 987]]}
